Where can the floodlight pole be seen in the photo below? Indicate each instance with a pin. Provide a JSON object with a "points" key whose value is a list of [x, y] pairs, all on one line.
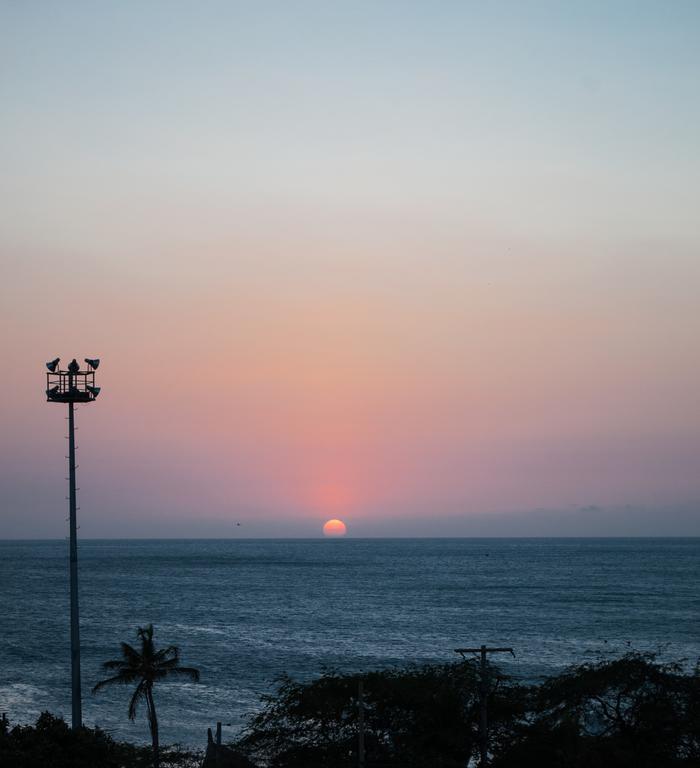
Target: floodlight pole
{"points": [[73, 386], [77, 708], [483, 696]]}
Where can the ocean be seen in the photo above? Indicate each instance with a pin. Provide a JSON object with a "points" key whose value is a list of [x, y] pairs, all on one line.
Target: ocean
{"points": [[247, 611]]}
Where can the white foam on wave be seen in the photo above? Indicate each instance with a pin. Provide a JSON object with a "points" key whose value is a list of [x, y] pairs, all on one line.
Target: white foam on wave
{"points": [[21, 695]]}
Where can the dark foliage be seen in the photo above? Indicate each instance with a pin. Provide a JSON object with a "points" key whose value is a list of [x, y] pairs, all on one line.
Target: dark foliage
{"points": [[52, 744], [628, 713], [413, 717]]}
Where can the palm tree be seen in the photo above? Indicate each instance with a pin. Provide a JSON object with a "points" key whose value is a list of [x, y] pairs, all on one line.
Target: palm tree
{"points": [[145, 667]]}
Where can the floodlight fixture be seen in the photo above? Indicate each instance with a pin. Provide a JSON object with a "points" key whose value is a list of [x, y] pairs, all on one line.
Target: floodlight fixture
{"points": [[73, 366], [94, 363], [53, 391], [94, 390], [53, 365]]}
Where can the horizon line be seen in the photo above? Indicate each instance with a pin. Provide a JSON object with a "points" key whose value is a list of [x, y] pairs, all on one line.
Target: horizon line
{"points": [[343, 538]]}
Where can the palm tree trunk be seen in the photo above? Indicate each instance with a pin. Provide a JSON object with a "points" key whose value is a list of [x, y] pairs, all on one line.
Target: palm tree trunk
{"points": [[153, 725]]}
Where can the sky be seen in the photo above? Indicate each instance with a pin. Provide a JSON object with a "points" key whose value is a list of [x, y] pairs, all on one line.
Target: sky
{"points": [[430, 268]]}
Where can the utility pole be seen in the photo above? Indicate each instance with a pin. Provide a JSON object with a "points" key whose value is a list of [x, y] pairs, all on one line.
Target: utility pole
{"points": [[483, 695], [361, 725], [73, 386]]}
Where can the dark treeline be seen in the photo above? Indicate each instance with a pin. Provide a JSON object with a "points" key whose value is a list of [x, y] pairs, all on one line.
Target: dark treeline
{"points": [[51, 743], [629, 712]]}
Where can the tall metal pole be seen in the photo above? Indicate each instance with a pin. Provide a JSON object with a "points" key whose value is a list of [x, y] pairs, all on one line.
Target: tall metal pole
{"points": [[77, 709], [73, 386]]}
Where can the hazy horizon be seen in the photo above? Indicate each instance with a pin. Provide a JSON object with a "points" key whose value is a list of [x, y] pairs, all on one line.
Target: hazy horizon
{"points": [[586, 522], [423, 268]]}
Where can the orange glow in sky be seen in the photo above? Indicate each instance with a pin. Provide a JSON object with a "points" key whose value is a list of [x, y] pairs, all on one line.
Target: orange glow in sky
{"points": [[476, 298], [331, 497]]}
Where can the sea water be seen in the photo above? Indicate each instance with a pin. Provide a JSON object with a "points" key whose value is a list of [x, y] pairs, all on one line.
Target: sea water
{"points": [[245, 612]]}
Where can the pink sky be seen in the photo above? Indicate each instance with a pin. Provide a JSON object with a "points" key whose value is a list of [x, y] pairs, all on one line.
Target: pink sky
{"points": [[374, 389], [368, 279]]}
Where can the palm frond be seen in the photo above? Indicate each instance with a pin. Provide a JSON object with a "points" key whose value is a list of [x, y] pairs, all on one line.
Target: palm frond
{"points": [[171, 651], [139, 693], [115, 664], [145, 634], [121, 679], [130, 654], [168, 663]]}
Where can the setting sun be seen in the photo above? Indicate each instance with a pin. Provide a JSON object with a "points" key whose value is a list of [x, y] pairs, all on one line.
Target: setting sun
{"points": [[334, 528]]}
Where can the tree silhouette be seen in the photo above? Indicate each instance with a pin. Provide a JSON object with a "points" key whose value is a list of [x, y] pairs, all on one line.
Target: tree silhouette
{"points": [[145, 667]]}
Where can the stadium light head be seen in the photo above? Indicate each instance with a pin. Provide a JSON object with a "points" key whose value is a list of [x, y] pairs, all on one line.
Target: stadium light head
{"points": [[94, 391], [94, 363], [73, 366], [52, 392], [53, 365]]}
